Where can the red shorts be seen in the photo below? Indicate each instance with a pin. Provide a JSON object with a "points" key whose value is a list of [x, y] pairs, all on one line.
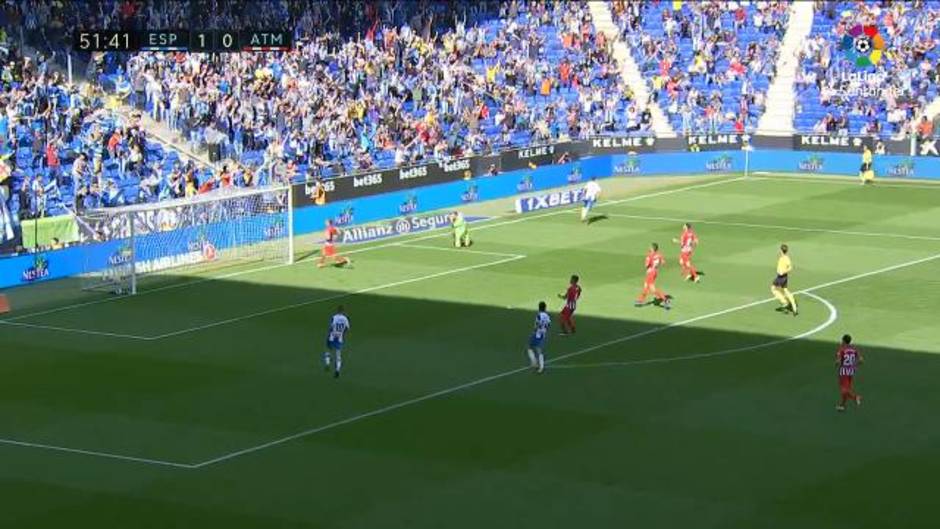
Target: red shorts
{"points": [[845, 383], [685, 257], [329, 250], [651, 277], [566, 312]]}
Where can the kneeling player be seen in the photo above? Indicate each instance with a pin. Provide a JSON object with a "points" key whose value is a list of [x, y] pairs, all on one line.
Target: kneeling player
{"points": [[571, 297], [461, 230], [847, 359], [335, 336], [780, 287], [329, 248], [654, 260], [687, 243], [536, 350]]}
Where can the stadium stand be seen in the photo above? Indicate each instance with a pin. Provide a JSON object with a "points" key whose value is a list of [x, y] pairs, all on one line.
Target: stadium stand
{"points": [[706, 84], [881, 102], [378, 84], [534, 73]]}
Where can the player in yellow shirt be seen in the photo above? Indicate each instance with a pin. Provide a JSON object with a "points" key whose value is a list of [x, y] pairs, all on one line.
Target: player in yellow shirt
{"points": [[779, 288], [866, 172]]}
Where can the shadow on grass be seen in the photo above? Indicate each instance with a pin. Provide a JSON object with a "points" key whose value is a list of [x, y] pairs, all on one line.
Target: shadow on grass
{"points": [[229, 342], [596, 218]]}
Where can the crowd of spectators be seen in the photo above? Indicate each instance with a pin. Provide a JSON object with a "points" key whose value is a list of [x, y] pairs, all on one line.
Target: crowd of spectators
{"points": [[709, 62], [397, 94], [63, 148], [410, 85], [837, 96], [380, 83]]}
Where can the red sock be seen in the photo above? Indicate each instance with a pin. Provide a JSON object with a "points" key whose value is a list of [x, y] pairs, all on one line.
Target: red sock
{"points": [[692, 271]]}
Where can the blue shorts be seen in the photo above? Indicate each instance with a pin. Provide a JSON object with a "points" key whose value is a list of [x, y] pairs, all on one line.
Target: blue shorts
{"points": [[536, 342], [589, 203], [333, 345]]}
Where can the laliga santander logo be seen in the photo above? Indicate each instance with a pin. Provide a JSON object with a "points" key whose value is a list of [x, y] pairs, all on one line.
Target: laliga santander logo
{"points": [[863, 45]]}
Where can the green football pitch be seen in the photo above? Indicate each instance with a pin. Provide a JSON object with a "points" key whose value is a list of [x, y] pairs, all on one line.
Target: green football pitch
{"points": [[202, 402]]}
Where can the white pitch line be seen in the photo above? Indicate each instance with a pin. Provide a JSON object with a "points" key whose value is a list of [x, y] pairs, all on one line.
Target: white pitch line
{"points": [[580, 352], [845, 181], [106, 455], [476, 226], [334, 297], [779, 227], [73, 330], [143, 293], [833, 315], [467, 385], [458, 250], [357, 418]]}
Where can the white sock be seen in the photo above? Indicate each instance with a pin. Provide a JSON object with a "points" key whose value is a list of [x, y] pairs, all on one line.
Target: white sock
{"points": [[339, 361], [326, 359], [531, 357], [584, 213], [541, 362]]}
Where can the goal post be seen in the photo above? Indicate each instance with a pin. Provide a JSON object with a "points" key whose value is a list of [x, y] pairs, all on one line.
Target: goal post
{"points": [[225, 228]]}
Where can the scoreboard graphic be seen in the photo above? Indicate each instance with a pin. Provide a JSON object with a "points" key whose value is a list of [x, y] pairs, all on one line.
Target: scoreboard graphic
{"points": [[213, 41]]}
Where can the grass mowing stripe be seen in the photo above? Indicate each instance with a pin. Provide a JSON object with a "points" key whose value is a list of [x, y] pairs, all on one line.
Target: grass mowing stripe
{"points": [[573, 354], [779, 227], [477, 226], [833, 316], [459, 250]]}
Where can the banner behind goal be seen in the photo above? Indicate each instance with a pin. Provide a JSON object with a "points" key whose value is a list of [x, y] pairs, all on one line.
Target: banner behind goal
{"points": [[232, 227]]}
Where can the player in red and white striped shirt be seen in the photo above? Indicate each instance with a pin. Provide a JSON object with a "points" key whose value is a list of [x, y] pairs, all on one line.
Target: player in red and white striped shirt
{"points": [[687, 243], [331, 234], [571, 297], [654, 260], [847, 360]]}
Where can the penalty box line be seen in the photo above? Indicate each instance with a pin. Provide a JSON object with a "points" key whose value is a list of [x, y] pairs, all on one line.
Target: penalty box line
{"points": [[410, 244], [482, 225], [343, 295], [504, 258], [574, 354]]}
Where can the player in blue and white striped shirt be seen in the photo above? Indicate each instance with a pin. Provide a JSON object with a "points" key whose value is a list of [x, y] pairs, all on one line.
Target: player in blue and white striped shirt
{"points": [[536, 350], [592, 191], [335, 336]]}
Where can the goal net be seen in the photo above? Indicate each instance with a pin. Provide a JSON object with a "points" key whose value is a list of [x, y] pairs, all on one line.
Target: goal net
{"points": [[225, 228]]}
